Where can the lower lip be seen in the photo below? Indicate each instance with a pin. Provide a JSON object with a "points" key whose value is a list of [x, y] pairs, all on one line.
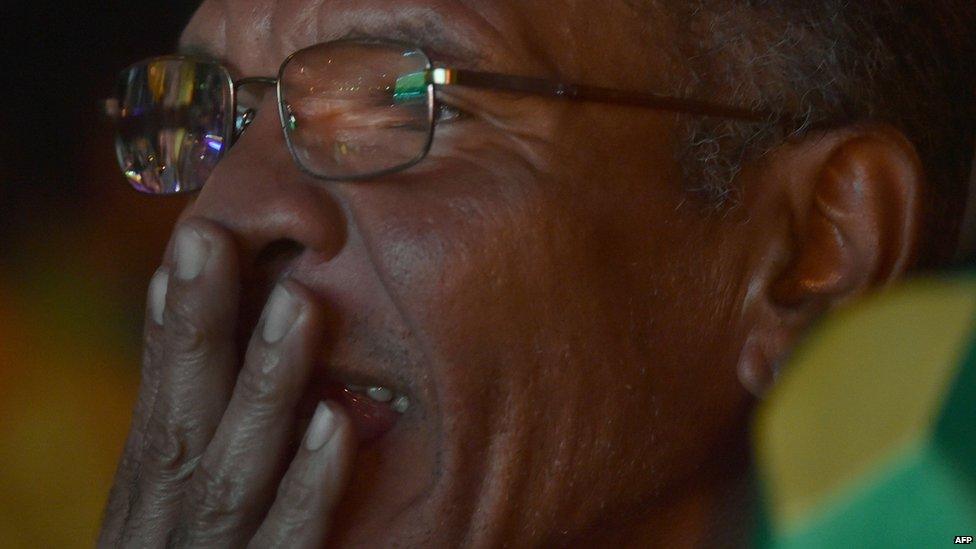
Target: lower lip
{"points": [[371, 419]]}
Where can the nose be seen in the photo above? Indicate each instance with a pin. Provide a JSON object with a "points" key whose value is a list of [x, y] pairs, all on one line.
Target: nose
{"points": [[275, 211]]}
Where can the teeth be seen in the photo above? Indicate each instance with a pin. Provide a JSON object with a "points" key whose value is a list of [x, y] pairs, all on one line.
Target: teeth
{"points": [[379, 394], [400, 404]]}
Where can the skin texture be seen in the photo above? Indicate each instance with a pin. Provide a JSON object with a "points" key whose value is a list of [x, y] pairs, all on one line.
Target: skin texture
{"points": [[580, 339]]}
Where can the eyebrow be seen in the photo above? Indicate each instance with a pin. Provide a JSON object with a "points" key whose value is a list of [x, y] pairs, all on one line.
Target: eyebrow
{"points": [[429, 34], [425, 29]]}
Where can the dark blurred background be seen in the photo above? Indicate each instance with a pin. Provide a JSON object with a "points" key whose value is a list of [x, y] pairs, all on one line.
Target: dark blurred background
{"points": [[77, 247]]}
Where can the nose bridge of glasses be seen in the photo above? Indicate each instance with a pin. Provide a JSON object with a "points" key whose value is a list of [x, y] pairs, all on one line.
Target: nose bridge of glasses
{"points": [[244, 112]]}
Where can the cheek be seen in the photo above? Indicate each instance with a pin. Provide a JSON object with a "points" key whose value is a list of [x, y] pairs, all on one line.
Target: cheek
{"points": [[564, 309]]}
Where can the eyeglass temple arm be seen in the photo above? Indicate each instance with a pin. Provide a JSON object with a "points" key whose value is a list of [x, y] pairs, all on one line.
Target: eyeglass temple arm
{"points": [[548, 88]]}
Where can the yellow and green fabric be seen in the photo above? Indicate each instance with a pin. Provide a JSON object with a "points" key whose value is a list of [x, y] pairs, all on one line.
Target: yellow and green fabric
{"points": [[869, 439]]}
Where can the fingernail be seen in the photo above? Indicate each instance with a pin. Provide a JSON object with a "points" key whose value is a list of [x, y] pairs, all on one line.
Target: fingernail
{"points": [[157, 294], [191, 253], [282, 310], [321, 429]]}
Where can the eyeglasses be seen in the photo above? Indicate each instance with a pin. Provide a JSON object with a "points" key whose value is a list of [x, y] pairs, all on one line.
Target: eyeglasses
{"points": [[349, 109]]}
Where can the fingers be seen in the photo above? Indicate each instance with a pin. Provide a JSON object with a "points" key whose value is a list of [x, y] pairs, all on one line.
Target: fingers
{"points": [[312, 486], [204, 454], [117, 508], [234, 483], [190, 362]]}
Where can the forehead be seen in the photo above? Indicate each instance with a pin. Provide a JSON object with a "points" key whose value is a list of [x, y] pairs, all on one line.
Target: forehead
{"points": [[554, 37]]}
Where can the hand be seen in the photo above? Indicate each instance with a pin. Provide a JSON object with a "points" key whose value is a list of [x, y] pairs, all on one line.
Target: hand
{"points": [[204, 454]]}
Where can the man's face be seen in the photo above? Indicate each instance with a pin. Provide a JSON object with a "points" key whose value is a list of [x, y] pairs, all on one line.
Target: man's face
{"points": [[561, 314]]}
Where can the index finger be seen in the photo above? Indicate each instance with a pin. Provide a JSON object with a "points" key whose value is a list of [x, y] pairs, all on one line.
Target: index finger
{"points": [[116, 510], [189, 368]]}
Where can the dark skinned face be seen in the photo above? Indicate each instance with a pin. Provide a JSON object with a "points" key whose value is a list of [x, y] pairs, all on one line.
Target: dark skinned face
{"points": [[564, 318]]}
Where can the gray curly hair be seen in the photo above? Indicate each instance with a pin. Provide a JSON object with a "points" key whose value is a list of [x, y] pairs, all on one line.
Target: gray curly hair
{"points": [[911, 64]]}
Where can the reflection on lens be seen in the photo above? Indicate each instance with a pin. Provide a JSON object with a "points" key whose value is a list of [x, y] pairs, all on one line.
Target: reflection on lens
{"points": [[355, 109], [173, 123]]}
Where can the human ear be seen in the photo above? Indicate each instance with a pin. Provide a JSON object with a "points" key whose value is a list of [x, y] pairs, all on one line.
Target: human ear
{"points": [[855, 220]]}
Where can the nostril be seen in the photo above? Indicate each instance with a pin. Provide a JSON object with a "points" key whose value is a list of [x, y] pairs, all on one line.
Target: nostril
{"points": [[273, 259], [272, 262]]}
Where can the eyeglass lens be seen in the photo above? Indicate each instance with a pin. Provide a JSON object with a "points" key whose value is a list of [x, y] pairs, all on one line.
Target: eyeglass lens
{"points": [[175, 120], [352, 109], [349, 110]]}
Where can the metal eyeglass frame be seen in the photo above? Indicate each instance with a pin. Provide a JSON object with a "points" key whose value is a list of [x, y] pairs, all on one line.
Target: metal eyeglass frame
{"points": [[440, 77]]}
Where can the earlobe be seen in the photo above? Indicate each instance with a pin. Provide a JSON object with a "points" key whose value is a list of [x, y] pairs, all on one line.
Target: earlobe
{"points": [[856, 220], [760, 359]]}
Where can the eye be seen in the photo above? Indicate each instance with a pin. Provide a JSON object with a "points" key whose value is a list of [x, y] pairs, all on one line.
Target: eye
{"points": [[446, 113]]}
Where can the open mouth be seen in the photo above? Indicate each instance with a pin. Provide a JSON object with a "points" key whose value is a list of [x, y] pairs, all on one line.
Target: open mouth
{"points": [[373, 409], [373, 406]]}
